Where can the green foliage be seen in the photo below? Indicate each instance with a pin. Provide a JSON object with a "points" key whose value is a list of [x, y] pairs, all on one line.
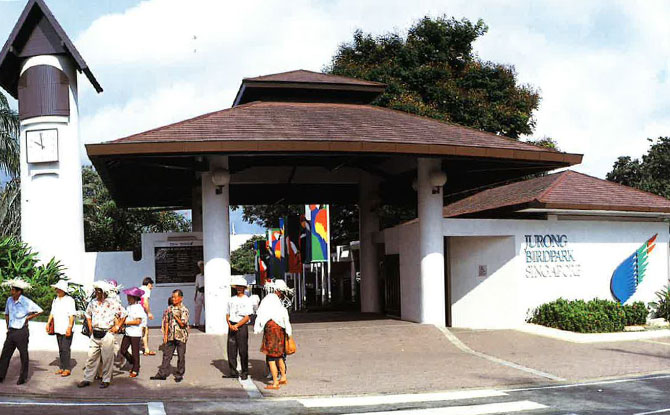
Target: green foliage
{"points": [[110, 228], [595, 316], [10, 209], [649, 174], [661, 307], [9, 139], [17, 260], [242, 259], [434, 72]]}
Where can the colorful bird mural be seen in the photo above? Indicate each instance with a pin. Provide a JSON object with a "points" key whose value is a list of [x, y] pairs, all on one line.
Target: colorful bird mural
{"points": [[630, 273]]}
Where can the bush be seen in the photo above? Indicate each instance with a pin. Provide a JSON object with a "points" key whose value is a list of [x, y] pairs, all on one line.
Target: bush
{"points": [[595, 316], [17, 260], [662, 306]]}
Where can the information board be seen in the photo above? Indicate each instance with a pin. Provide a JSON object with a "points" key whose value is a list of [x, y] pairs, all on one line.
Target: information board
{"points": [[177, 264]]}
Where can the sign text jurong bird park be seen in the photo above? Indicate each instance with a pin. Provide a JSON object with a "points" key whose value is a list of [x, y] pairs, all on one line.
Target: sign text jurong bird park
{"points": [[550, 256]]}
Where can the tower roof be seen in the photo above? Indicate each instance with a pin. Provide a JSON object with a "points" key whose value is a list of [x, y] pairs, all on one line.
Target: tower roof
{"points": [[37, 32]]}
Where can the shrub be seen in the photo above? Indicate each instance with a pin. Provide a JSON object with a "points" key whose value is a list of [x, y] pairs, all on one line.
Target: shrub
{"points": [[595, 316], [17, 260], [661, 307]]}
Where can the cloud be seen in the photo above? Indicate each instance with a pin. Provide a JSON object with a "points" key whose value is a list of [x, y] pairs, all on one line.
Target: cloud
{"points": [[601, 66]]}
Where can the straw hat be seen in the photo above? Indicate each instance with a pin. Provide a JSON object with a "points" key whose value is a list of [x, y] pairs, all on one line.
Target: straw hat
{"points": [[61, 285], [239, 281], [17, 283], [280, 285], [105, 286]]}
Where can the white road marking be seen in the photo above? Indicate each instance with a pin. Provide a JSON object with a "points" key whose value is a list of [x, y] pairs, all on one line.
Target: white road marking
{"points": [[660, 411], [250, 388], [491, 408], [156, 408], [458, 343], [395, 399], [573, 385], [30, 403]]}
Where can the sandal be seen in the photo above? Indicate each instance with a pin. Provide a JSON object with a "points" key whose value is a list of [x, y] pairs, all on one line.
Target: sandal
{"points": [[133, 374], [65, 373], [272, 386], [150, 353], [58, 372], [283, 382]]}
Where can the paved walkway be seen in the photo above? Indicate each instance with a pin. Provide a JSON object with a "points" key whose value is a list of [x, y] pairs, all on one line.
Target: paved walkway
{"points": [[353, 354]]}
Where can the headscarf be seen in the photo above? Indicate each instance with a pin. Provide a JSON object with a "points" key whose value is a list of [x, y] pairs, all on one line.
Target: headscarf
{"points": [[271, 308]]}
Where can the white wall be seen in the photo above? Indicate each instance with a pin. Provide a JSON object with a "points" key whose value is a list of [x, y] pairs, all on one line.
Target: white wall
{"points": [[120, 266], [505, 296]]}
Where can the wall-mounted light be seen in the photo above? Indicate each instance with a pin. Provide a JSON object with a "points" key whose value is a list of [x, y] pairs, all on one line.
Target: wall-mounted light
{"points": [[220, 178], [437, 179]]}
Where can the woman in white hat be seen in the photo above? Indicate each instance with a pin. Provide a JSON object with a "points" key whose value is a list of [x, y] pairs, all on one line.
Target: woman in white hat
{"points": [[272, 320], [62, 315]]}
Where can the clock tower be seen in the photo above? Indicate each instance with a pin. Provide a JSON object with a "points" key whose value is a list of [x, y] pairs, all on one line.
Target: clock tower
{"points": [[39, 67]]}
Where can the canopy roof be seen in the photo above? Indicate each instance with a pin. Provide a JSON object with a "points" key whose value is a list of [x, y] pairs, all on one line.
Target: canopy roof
{"points": [[37, 32], [301, 151], [563, 192]]}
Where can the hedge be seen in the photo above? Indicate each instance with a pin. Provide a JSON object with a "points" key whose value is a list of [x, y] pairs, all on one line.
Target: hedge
{"points": [[595, 316]]}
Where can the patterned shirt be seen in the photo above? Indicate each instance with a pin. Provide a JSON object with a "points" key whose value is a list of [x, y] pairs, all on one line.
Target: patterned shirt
{"points": [[102, 314], [174, 331]]}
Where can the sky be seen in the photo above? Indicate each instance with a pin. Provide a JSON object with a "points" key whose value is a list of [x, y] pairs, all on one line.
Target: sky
{"points": [[602, 67]]}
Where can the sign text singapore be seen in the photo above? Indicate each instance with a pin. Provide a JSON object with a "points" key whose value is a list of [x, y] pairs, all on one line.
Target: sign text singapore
{"points": [[550, 256]]}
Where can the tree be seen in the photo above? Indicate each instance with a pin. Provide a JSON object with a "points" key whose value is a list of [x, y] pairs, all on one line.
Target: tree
{"points": [[434, 72], [110, 228], [10, 192], [242, 259], [650, 174]]}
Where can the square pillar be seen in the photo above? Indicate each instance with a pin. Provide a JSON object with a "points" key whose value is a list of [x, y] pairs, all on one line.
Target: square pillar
{"points": [[431, 243], [216, 244], [369, 224]]}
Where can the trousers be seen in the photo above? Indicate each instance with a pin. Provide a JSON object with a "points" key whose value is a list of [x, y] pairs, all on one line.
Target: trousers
{"points": [[168, 351], [199, 306], [100, 353], [64, 344], [134, 344], [238, 342], [16, 339]]}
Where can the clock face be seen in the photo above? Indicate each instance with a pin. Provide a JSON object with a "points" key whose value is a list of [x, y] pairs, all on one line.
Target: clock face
{"points": [[42, 146]]}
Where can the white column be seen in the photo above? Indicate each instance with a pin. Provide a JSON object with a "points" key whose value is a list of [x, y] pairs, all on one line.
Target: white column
{"points": [[431, 245], [51, 196], [369, 224], [216, 247], [196, 209]]}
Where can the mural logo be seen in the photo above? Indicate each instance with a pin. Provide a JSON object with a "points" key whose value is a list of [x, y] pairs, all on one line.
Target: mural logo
{"points": [[630, 273]]}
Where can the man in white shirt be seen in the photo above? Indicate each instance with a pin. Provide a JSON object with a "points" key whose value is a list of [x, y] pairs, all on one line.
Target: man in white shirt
{"points": [[239, 311], [199, 296], [18, 311], [63, 311]]}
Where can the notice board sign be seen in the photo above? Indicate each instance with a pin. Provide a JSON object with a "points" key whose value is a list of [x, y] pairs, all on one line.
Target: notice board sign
{"points": [[177, 261]]}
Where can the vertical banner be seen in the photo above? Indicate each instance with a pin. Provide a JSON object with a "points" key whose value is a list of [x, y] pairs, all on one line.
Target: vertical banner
{"points": [[320, 238], [276, 253], [261, 262], [305, 240], [292, 235]]}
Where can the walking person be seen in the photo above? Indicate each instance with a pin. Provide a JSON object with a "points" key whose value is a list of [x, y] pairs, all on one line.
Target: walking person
{"points": [[147, 286], [199, 295], [136, 320], [239, 311], [19, 309], [175, 338], [273, 321], [104, 318], [63, 312]]}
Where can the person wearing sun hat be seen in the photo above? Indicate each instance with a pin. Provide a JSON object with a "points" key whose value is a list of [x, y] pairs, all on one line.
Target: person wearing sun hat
{"points": [[19, 309], [239, 311], [62, 314], [135, 322], [104, 318]]}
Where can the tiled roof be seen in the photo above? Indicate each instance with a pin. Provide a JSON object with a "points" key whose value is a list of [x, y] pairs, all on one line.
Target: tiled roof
{"points": [[304, 76], [564, 190], [325, 122]]}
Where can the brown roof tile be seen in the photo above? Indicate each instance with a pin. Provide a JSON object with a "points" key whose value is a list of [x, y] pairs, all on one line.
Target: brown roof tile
{"points": [[327, 123], [564, 190], [304, 76]]}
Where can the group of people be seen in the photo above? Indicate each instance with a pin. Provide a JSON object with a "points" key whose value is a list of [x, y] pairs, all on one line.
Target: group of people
{"points": [[113, 329]]}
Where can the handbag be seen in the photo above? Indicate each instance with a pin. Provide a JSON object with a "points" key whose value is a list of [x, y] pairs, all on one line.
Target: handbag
{"points": [[84, 330], [50, 328], [290, 346]]}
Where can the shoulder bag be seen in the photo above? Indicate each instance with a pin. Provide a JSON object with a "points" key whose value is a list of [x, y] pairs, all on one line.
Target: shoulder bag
{"points": [[290, 345], [50, 328]]}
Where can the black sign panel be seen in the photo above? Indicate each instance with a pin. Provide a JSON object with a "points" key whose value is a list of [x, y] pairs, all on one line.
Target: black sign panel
{"points": [[177, 264]]}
